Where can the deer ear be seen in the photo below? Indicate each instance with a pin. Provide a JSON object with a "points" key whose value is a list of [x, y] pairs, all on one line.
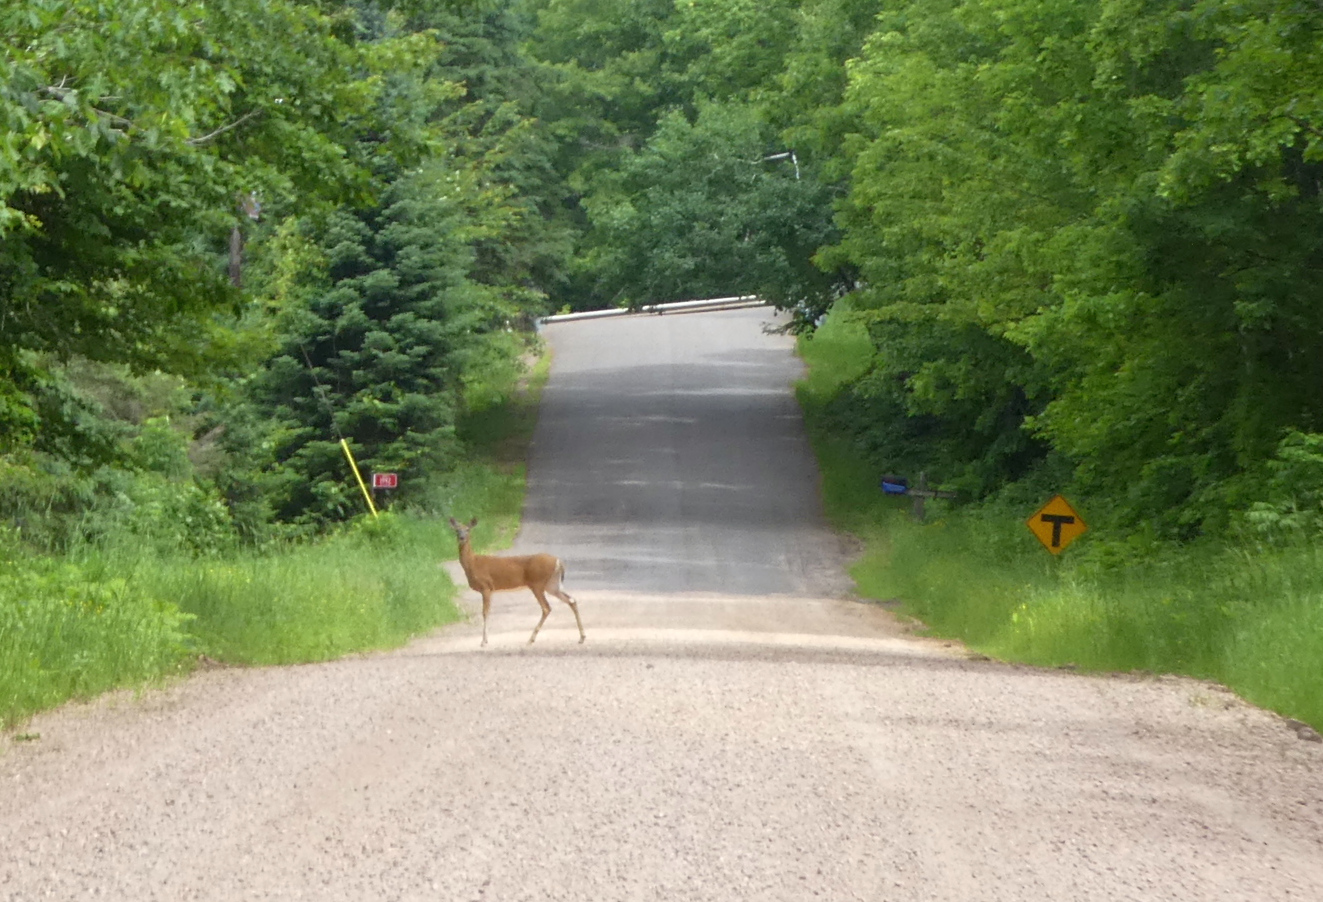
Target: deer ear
{"points": [[454, 522], [473, 522]]}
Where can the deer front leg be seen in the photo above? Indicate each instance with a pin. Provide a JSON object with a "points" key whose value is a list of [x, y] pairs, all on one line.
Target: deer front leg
{"points": [[486, 607]]}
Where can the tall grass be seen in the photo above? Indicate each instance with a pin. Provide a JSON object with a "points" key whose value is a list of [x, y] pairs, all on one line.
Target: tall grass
{"points": [[1245, 615], [117, 616], [373, 586], [63, 635]]}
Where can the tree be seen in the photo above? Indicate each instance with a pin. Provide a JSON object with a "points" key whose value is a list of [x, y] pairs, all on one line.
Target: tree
{"points": [[1089, 230], [129, 130], [377, 353], [700, 212]]}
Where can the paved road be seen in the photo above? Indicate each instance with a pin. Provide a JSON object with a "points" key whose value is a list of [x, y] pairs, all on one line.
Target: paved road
{"points": [[731, 730], [670, 456]]}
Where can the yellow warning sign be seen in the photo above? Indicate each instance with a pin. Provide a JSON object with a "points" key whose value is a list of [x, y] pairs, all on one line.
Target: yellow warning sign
{"points": [[1057, 525]]}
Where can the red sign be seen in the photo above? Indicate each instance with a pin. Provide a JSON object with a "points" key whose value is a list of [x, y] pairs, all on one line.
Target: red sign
{"points": [[385, 480]]}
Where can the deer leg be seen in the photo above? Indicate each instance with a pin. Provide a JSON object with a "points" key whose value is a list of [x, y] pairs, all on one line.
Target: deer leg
{"points": [[486, 607], [565, 597], [546, 610]]}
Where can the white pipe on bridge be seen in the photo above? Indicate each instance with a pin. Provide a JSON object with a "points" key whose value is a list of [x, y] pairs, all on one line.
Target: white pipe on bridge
{"points": [[732, 303]]}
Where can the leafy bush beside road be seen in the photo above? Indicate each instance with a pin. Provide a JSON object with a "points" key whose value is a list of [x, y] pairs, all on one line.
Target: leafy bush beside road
{"points": [[1246, 612], [70, 632], [132, 608]]}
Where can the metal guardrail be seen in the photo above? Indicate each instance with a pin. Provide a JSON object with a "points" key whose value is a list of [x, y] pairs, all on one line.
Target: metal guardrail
{"points": [[700, 306]]}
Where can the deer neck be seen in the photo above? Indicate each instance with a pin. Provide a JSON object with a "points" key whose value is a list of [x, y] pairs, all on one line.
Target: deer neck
{"points": [[466, 558]]}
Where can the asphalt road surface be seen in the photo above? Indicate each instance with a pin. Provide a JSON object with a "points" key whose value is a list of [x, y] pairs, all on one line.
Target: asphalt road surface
{"points": [[734, 728], [670, 456]]}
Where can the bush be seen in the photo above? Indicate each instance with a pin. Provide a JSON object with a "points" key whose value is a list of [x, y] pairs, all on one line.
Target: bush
{"points": [[1294, 505], [1246, 612], [66, 633]]}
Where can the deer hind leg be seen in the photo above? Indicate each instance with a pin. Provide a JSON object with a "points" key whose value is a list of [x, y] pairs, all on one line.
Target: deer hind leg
{"points": [[486, 608], [546, 611], [575, 608], [555, 588]]}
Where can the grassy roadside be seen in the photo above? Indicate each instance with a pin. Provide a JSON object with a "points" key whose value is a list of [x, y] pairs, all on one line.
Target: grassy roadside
{"points": [[121, 616], [1247, 616], [492, 486]]}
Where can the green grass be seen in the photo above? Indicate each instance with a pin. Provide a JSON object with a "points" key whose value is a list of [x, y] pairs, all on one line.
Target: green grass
{"points": [[373, 586], [499, 425], [119, 617], [1247, 616], [498, 432], [65, 635]]}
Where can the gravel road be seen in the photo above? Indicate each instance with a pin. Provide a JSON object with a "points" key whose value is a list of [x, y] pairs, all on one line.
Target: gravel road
{"points": [[733, 729]]}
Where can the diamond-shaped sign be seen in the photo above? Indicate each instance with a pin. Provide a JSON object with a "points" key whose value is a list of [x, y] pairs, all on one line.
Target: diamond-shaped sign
{"points": [[1057, 525]]}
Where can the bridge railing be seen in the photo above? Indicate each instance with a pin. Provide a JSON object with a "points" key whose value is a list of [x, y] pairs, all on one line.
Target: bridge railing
{"points": [[699, 306]]}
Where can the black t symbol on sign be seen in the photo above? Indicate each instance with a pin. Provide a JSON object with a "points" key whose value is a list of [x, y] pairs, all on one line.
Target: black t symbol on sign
{"points": [[1057, 521]]}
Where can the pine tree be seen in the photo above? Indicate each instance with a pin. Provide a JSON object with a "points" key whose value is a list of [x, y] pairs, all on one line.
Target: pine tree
{"points": [[378, 354]]}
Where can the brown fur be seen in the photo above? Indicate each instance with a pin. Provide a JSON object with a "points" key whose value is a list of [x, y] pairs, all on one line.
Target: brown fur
{"points": [[486, 573]]}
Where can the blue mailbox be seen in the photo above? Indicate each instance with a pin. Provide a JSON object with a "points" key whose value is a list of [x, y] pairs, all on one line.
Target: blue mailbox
{"points": [[895, 485]]}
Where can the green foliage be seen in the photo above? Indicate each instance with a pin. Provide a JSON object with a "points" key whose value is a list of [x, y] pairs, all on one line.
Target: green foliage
{"points": [[1245, 614], [808, 94], [390, 315], [114, 463], [379, 353], [1293, 508], [129, 128], [66, 633], [96, 620], [1067, 256], [66, 420], [373, 586], [699, 213], [659, 111], [610, 74], [732, 49]]}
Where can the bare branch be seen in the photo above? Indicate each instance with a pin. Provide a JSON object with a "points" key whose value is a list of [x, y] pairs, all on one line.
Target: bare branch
{"points": [[113, 118], [194, 142], [1306, 126], [61, 92]]}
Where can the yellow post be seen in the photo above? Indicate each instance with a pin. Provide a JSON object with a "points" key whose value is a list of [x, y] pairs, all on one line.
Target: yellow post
{"points": [[344, 443]]}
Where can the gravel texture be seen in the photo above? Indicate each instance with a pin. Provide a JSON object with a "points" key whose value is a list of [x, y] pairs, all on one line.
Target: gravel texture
{"points": [[731, 730]]}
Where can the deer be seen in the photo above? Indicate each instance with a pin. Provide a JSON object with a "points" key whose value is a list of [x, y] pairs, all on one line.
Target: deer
{"points": [[488, 573]]}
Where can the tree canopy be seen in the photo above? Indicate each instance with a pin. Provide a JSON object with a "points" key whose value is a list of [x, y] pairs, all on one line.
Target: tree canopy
{"points": [[1084, 237]]}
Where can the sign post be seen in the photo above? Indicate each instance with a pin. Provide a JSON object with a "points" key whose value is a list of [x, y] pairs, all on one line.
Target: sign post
{"points": [[899, 485], [1056, 525], [344, 443]]}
